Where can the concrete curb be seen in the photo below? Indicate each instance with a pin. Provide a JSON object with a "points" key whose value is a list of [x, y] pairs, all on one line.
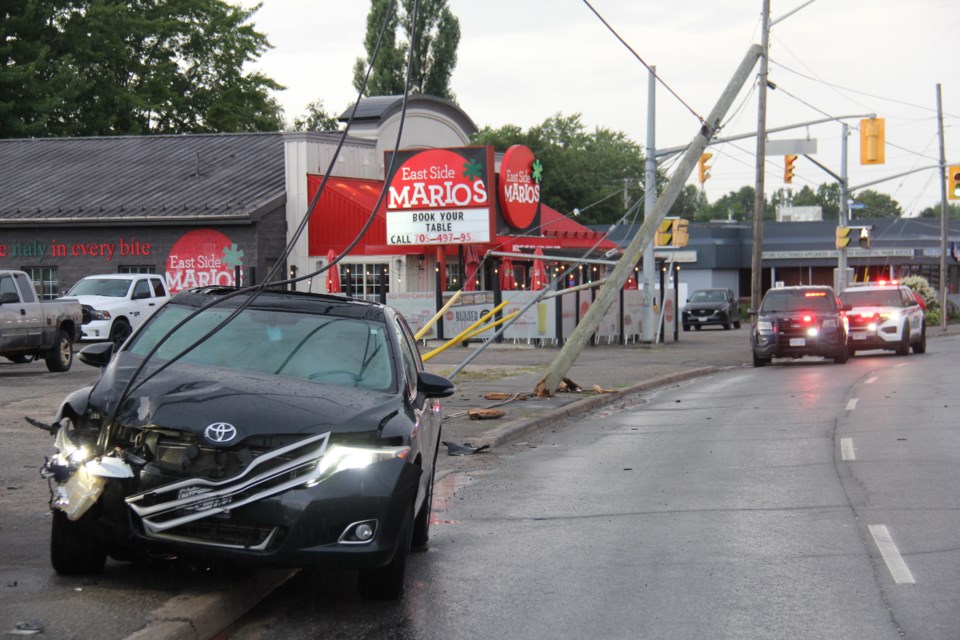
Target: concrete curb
{"points": [[203, 616]]}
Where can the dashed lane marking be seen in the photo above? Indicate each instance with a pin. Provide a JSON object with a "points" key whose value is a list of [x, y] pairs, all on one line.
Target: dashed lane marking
{"points": [[846, 449], [870, 380], [891, 555], [851, 404]]}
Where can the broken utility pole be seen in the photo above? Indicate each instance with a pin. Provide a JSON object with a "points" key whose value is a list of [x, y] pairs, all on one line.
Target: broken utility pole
{"points": [[581, 335]]}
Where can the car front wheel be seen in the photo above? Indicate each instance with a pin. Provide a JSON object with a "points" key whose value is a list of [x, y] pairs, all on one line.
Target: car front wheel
{"points": [[76, 548], [60, 356]]}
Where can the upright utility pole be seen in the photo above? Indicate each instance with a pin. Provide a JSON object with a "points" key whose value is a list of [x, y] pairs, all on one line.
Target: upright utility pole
{"points": [[840, 281], [756, 263], [648, 319], [943, 216], [591, 320]]}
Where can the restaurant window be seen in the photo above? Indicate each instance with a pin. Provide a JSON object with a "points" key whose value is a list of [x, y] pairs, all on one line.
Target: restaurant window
{"points": [[454, 277], [367, 279], [135, 268], [45, 281]]}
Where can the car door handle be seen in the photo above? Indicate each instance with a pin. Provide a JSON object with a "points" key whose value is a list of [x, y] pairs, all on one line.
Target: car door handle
{"points": [[23, 311]]}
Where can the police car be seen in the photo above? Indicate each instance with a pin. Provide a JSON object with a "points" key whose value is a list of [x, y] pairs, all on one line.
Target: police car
{"points": [[885, 315]]}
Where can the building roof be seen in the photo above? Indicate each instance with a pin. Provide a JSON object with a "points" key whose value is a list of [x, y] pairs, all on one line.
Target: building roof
{"points": [[141, 178], [376, 109]]}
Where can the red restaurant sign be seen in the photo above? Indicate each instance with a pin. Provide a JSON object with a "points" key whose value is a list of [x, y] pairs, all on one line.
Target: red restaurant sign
{"points": [[441, 196], [520, 177]]}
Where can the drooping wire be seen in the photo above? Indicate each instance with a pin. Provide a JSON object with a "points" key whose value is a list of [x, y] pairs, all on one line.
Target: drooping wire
{"points": [[643, 62]]}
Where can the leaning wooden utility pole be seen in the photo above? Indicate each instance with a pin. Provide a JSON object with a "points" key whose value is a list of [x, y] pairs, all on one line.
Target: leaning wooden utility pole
{"points": [[605, 297]]}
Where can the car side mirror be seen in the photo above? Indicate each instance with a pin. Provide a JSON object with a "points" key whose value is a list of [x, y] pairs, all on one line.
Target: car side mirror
{"points": [[433, 385], [96, 355], [846, 307]]}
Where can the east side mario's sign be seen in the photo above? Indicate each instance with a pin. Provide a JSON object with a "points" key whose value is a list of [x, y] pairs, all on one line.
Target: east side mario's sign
{"points": [[440, 196]]}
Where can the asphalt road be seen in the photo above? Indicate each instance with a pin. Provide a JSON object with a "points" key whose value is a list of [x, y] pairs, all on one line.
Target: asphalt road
{"points": [[802, 500]]}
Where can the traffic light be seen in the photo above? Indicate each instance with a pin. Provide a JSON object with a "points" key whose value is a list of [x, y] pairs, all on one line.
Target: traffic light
{"points": [[953, 190], [843, 237], [704, 168], [681, 234], [872, 141], [788, 168], [864, 237], [664, 233]]}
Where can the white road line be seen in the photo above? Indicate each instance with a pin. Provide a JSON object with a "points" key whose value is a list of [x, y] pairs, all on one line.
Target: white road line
{"points": [[870, 380], [891, 555], [846, 449], [851, 404]]}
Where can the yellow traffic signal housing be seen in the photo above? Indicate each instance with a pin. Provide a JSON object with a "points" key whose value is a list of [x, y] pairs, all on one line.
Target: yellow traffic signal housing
{"points": [[864, 237], [953, 184], [704, 167], [843, 237], [788, 163], [681, 234], [872, 142], [664, 234]]}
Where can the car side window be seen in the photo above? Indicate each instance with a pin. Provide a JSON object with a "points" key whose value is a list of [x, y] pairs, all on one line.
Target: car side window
{"points": [[26, 287], [7, 286], [141, 290], [411, 360], [159, 291]]}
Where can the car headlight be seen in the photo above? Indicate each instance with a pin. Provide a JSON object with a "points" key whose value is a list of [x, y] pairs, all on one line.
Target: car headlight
{"points": [[764, 326], [96, 314], [890, 315], [339, 458], [830, 323]]}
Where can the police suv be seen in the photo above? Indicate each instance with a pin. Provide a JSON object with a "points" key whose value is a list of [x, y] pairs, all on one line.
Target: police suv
{"points": [[885, 315]]}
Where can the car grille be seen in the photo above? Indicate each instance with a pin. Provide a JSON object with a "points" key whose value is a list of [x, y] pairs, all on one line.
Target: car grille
{"points": [[859, 322], [790, 328], [702, 312], [87, 314], [172, 511]]}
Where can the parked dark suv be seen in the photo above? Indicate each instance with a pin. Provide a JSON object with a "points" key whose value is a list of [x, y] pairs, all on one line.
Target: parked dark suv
{"points": [[800, 321], [711, 307]]}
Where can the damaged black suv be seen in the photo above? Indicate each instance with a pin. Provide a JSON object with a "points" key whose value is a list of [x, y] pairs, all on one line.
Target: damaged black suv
{"points": [[282, 428]]}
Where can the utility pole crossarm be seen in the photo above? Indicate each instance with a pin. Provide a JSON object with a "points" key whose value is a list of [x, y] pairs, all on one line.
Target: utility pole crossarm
{"points": [[605, 297]]}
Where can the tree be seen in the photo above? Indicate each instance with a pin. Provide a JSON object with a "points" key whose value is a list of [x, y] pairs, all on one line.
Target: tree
{"points": [[877, 205], [582, 171], [101, 67], [933, 211], [316, 119], [436, 36], [737, 205], [690, 204]]}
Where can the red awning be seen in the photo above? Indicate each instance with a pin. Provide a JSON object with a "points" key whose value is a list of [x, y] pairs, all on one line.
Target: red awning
{"points": [[346, 203]]}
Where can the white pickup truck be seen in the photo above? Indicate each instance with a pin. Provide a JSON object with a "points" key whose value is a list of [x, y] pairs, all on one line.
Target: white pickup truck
{"points": [[115, 304], [30, 328]]}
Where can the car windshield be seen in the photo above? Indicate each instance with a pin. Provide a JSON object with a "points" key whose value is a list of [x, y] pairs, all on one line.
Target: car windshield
{"points": [[872, 297], [109, 287], [800, 300], [331, 349], [707, 296]]}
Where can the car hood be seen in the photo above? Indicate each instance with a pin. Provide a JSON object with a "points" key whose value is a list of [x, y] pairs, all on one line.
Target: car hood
{"points": [[190, 398], [704, 305], [98, 302]]}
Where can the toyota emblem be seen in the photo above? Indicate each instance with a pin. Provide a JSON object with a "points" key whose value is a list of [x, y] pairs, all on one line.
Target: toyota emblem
{"points": [[220, 432]]}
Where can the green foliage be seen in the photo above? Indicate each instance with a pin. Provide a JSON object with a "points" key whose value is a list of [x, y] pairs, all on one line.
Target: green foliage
{"points": [[933, 211], [736, 205], [102, 67], [316, 119], [878, 205], [922, 286], [435, 37], [583, 171]]}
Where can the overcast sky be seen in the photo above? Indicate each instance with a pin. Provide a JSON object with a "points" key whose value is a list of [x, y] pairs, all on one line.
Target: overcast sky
{"points": [[521, 61]]}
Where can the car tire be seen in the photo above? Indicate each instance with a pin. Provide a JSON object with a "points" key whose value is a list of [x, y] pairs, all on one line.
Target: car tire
{"points": [[686, 327], [387, 582], [904, 347], [852, 351], [736, 325], [21, 359], [76, 548], [421, 524], [842, 356], [60, 356], [726, 326], [921, 345], [119, 333], [758, 361], [698, 326]]}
